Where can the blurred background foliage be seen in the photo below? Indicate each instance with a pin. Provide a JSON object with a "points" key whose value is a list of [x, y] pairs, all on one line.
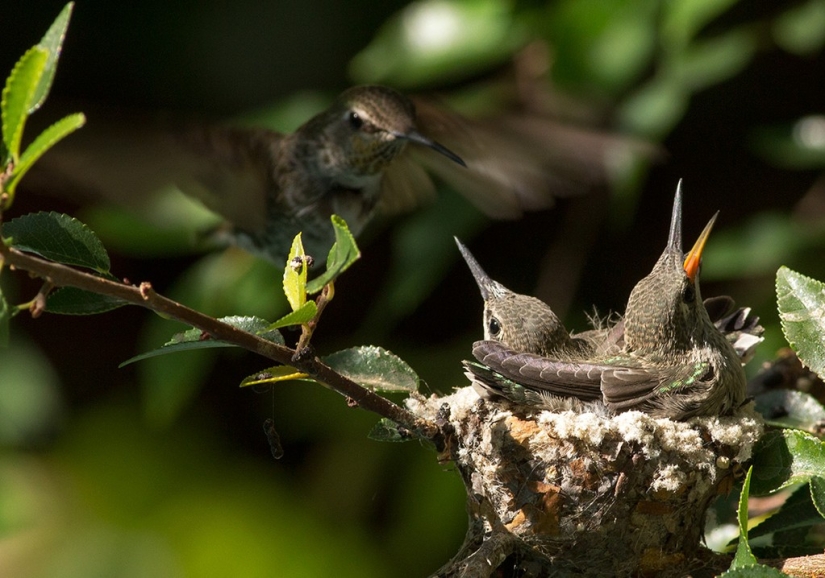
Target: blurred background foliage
{"points": [[162, 468]]}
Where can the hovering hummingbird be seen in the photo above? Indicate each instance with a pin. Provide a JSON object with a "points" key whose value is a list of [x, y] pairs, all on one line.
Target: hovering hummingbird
{"points": [[674, 361], [370, 152]]}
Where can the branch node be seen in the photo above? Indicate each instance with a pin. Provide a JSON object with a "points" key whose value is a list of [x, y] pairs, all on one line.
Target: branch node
{"points": [[146, 290]]}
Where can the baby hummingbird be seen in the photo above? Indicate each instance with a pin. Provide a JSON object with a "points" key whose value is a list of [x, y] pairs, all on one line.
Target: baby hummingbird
{"points": [[519, 322], [674, 361]]}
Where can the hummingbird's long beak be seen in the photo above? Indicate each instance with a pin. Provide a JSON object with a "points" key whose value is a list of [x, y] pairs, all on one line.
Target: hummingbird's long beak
{"points": [[417, 137], [694, 258], [485, 284], [674, 238]]}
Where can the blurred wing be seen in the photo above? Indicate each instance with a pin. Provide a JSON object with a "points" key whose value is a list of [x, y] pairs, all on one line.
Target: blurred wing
{"points": [[517, 163], [404, 185], [125, 158]]}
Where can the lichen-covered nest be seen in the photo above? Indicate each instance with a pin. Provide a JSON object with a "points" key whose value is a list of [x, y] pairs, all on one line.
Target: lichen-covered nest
{"points": [[584, 492]]}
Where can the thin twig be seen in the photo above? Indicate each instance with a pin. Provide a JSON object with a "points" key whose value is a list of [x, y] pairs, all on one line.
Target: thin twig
{"points": [[145, 296]]}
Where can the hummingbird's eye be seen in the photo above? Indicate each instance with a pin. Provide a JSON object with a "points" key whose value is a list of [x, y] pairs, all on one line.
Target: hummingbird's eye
{"points": [[494, 327], [689, 294], [355, 121]]}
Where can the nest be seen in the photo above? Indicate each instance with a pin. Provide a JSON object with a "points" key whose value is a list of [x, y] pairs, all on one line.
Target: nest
{"points": [[579, 492]]}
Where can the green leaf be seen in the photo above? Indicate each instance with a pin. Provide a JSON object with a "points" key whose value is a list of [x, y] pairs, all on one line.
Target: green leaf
{"points": [[344, 252], [44, 141], [801, 303], [298, 317], [754, 571], [431, 40], [275, 374], [798, 511], [193, 339], [17, 97], [387, 430], [784, 458], [5, 316], [295, 275], [818, 494], [801, 29], [60, 238], [744, 557], [74, 301], [655, 107], [52, 42], [683, 19], [796, 409], [374, 368]]}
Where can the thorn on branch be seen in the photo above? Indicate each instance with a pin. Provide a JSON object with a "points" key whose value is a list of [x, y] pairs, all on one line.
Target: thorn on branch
{"points": [[38, 304]]}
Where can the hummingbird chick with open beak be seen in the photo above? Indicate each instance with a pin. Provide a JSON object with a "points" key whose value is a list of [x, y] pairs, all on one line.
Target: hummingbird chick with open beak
{"points": [[674, 362]]}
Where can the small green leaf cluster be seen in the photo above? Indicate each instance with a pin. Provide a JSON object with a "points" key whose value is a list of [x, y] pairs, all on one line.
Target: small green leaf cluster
{"points": [[24, 93]]}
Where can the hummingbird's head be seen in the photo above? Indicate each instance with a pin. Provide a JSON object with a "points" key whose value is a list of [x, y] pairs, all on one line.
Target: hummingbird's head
{"points": [[369, 126], [520, 322], [665, 312]]}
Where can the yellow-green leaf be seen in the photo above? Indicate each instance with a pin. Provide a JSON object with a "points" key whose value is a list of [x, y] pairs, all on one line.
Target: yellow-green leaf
{"points": [[18, 95]]}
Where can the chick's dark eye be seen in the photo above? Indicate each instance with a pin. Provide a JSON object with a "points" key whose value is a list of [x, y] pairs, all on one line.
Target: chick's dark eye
{"points": [[354, 120], [689, 294], [494, 327]]}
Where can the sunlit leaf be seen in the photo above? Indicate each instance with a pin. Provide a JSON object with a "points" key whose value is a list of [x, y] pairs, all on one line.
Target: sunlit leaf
{"points": [[754, 571], [52, 42], [298, 317], [295, 275], [342, 255], [801, 303], [43, 142], [744, 557], [18, 95], [276, 374], [784, 458], [58, 237], [655, 108], [435, 39], [74, 301], [193, 339], [801, 29], [708, 62], [374, 368], [683, 19], [792, 408]]}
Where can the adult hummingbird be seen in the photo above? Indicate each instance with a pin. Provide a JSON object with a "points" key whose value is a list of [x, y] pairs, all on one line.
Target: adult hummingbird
{"points": [[674, 363], [372, 151]]}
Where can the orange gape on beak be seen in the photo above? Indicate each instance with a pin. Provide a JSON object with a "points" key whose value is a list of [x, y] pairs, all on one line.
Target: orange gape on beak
{"points": [[694, 258]]}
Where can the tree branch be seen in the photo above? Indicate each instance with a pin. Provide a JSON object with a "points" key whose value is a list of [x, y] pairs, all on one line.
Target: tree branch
{"points": [[144, 295]]}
